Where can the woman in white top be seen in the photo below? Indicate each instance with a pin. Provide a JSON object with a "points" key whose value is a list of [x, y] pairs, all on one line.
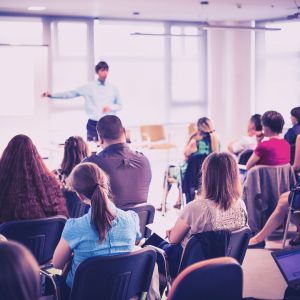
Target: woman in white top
{"points": [[219, 207]]}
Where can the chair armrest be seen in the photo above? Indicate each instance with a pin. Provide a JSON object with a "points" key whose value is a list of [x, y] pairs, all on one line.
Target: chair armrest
{"points": [[164, 255], [53, 280]]}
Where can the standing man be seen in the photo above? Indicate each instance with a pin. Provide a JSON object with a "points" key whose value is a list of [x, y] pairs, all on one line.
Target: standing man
{"points": [[101, 98]]}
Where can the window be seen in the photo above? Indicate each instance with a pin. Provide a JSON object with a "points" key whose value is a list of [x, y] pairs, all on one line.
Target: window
{"points": [[278, 69], [136, 67], [21, 31]]}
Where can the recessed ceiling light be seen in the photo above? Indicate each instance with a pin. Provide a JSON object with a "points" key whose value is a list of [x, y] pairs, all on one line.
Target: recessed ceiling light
{"points": [[36, 7]]}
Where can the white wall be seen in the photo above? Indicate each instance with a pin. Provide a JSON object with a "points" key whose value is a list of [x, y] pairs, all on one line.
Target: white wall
{"points": [[35, 125], [229, 83]]}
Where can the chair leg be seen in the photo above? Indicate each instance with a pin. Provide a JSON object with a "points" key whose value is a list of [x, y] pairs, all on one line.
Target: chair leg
{"points": [[164, 203], [286, 227]]}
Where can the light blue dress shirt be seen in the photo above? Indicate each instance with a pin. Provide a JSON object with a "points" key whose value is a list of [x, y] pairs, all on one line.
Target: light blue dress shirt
{"points": [[97, 94], [83, 240]]}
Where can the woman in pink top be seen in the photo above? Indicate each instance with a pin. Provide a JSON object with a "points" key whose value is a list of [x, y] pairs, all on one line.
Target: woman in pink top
{"points": [[274, 152]]}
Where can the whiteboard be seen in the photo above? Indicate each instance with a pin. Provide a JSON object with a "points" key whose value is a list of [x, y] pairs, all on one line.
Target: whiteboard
{"points": [[23, 78]]}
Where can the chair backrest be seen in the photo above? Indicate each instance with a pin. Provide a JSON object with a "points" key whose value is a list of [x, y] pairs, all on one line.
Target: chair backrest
{"points": [[155, 132], [203, 246], [238, 243], [76, 207], [192, 128], [293, 149], [244, 157], [214, 279], [146, 214], [114, 277], [192, 177], [40, 236]]}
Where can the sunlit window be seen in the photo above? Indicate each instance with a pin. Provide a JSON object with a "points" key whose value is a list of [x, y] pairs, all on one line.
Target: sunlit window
{"points": [[278, 70], [18, 32]]}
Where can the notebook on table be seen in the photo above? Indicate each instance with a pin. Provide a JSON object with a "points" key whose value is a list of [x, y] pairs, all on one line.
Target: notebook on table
{"points": [[288, 262]]}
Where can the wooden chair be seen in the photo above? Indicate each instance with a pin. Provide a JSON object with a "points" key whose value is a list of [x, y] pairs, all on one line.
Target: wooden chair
{"points": [[156, 133], [192, 128]]}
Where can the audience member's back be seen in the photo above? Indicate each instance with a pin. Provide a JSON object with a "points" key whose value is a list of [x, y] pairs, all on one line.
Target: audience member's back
{"points": [[129, 171], [28, 190], [19, 275]]}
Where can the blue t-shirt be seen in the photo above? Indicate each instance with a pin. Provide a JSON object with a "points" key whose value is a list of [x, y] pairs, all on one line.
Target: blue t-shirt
{"points": [[83, 240]]}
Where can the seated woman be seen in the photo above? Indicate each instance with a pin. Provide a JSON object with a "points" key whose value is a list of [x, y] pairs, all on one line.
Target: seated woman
{"points": [[207, 144], [277, 217], [292, 133], [275, 151], [28, 190], [219, 207], [75, 150], [19, 276], [104, 231]]}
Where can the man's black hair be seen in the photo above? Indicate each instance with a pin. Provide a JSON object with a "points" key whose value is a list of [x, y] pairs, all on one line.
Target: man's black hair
{"points": [[273, 120], [255, 119], [295, 112], [110, 127], [101, 65]]}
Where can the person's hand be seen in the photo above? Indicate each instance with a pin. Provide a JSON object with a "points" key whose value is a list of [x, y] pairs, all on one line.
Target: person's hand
{"points": [[106, 109], [168, 233], [47, 94], [259, 136]]}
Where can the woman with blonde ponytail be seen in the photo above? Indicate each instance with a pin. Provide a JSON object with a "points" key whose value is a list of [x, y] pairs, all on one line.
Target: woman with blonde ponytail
{"points": [[207, 144], [105, 230]]}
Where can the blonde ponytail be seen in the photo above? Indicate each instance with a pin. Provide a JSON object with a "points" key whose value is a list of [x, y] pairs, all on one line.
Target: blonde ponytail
{"points": [[205, 126]]}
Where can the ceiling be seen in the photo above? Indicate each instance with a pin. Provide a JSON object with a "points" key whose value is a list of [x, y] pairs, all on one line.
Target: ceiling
{"points": [[179, 10]]}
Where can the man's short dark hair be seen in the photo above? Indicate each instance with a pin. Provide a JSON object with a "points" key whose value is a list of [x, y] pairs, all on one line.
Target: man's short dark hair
{"points": [[295, 112], [101, 65], [273, 120], [255, 119], [110, 127]]}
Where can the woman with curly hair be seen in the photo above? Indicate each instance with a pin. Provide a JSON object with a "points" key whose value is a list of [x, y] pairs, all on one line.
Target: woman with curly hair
{"points": [[28, 190], [75, 151]]}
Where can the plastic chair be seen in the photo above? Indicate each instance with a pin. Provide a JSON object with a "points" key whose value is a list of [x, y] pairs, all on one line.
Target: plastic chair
{"points": [[192, 179], [41, 236], [294, 205], [156, 133], [244, 157], [213, 279], [76, 207], [189, 184], [146, 214], [114, 277], [194, 251], [238, 243]]}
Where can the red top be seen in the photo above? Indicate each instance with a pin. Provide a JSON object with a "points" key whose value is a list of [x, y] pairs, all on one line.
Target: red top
{"points": [[274, 152]]}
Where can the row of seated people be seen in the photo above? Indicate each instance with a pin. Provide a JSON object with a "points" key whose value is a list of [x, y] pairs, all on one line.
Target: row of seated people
{"points": [[107, 230], [19, 200]]}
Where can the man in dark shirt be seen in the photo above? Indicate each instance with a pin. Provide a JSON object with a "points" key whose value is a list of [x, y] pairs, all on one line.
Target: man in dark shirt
{"points": [[129, 171]]}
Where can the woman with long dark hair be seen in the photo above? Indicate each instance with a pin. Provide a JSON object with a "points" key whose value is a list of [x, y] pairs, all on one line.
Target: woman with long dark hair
{"points": [[75, 150], [104, 231], [28, 190]]}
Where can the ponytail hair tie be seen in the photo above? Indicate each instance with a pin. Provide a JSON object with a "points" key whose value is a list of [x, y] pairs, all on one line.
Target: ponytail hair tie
{"points": [[91, 192]]}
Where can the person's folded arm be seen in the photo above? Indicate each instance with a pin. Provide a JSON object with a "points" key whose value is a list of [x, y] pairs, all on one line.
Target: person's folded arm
{"points": [[252, 161], [179, 231], [61, 254]]}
